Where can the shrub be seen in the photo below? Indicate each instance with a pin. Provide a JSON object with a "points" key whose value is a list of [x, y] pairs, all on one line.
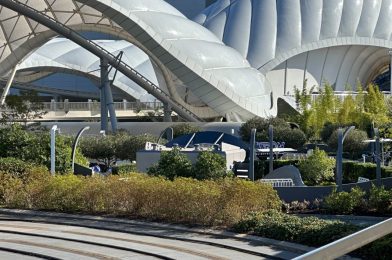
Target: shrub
{"points": [[221, 202], [317, 168], [353, 170], [209, 165], [128, 148], [107, 149], [345, 202], [310, 231], [353, 144], [184, 129], [35, 147], [124, 169], [172, 164], [380, 199], [294, 138]]}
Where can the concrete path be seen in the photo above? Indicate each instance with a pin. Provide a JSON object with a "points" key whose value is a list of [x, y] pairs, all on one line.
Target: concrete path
{"points": [[62, 236]]}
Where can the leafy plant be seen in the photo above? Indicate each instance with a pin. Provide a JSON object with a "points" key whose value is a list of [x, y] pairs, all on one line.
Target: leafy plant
{"points": [[184, 129], [209, 165], [308, 230], [380, 199], [353, 144], [345, 202], [22, 108], [172, 164], [317, 168]]}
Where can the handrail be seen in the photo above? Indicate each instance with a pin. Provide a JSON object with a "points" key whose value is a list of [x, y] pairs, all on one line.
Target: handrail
{"points": [[350, 243], [119, 65]]}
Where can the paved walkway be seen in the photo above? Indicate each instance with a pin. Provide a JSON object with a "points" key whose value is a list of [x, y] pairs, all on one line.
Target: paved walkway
{"points": [[62, 236]]}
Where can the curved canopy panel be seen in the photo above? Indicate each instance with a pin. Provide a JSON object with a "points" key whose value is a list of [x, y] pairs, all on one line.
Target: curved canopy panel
{"points": [[292, 40], [63, 54], [215, 73]]}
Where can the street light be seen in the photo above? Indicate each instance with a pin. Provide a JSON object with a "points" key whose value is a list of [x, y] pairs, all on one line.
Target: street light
{"points": [[76, 144], [339, 156], [53, 149]]}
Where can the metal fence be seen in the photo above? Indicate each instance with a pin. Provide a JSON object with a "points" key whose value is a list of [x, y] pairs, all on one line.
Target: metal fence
{"points": [[95, 106]]}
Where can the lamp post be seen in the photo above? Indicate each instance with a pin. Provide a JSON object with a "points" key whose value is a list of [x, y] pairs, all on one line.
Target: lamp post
{"points": [[53, 149], [339, 156], [271, 148], [251, 170], [390, 71], [76, 144], [378, 159]]}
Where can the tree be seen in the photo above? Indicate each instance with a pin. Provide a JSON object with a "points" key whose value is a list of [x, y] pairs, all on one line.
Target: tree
{"points": [[18, 143], [22, 108], [209, 165], [184, 129], [353, 144], [172, 164], [101, 148], [130, 144], [317, 168], [293, 138], [375, 106]]}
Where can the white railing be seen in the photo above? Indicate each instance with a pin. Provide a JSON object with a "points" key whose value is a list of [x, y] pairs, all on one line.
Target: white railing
{"points": [[279, 182], [350, 243], [95, 106]]}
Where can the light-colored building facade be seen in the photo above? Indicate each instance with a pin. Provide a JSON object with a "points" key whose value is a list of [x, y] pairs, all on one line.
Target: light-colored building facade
{"points": [[237, 58]]}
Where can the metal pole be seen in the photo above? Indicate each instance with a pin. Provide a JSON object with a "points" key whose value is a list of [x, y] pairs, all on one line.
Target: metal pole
{"points": [[390, 71], [339, 156], [339, 160], [108, 93], [8, 86], [251, 170], [378, 161], [75, 144], [271, 148], [167, 111], [104, 110], [53, 150]]}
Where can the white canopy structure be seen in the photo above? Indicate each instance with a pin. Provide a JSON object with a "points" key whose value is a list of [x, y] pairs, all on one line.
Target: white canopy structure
{"points": [[62, 55], [288, 41], [186, 53]]}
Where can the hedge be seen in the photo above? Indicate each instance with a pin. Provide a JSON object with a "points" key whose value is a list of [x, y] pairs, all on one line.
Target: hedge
{"points": [[353, 170], [183, 200], [310, 231]]}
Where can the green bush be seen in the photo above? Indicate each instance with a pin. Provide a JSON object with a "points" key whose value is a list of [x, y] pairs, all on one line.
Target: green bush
{"points": [[345, 202], [310, 231], [35, 147], [108, 149], [353, 170], [184, 129], [184, 200], [131, 144], [317, 168], [15, 167], [209, 165], [294, 138], [380, 199], [171, 165], [353, 144], [124, 169]]}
